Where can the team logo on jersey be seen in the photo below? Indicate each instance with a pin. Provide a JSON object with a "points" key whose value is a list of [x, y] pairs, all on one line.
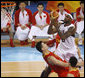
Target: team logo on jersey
{"points": [[44, 15]]}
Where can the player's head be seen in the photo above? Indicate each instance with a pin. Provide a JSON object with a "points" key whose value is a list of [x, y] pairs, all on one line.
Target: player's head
{"points": [[40, 7], [73, 61], [82, 4], [41, 46], [61, 6], [22, 5], [68, 18]]}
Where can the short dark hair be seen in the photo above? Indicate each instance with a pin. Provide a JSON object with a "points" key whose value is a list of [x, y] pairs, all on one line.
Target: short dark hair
{"points": [[73, 61], [39, 46], [40, 4], [81, 2], [22, 2], [61, 4]]}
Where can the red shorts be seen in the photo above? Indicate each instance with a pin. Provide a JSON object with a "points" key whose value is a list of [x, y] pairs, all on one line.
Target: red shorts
{"points": [[64, 74], [75, 73]]}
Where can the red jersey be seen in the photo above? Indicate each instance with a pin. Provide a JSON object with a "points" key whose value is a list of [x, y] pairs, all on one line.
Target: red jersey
{"points": [[61, 71], [78, 12], [75, 72], [57, 40]]}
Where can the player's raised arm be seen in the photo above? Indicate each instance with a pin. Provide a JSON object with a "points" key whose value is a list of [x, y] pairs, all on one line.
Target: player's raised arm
{"points": [[54, 25], [52, 60]]}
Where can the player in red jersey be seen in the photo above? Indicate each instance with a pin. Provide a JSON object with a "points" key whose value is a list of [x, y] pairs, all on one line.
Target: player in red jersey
{"points": [[61, 67]]}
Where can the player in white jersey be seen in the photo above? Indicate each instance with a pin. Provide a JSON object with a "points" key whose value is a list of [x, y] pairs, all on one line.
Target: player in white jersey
{"points": [[80, 21], [6, 25], [40, 24], [61, 16], [67, 46], [23, 19]]}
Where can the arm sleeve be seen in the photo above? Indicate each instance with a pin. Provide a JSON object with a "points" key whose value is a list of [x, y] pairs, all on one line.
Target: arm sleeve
{"points": [[77, 14], [33, 19], [16, 19], [30, 16], [48, 19]]}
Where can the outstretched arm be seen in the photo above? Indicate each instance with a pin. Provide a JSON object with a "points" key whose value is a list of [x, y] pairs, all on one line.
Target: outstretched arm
{"points": [[79, 53], [52, 60]]}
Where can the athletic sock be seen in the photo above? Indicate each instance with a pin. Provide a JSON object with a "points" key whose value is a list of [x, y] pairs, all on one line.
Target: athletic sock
{"points": [[26, 42], [22, 43], [11, 42], [33, 44]]}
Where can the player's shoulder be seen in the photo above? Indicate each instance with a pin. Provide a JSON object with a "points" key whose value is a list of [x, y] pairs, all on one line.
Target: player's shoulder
{"points": [[17, 11], [35, 13], [78, 9], [27, 9], [66, 10], [45, 12]]}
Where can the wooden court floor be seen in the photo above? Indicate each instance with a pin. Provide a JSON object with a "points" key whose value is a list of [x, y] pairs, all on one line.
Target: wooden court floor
{"points": [[5, 43], [24, 69]]}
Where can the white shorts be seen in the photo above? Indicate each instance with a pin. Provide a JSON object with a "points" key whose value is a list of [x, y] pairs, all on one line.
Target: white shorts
{"points": [[35, 31], [22, 34], [80, 27], [66, 56]]}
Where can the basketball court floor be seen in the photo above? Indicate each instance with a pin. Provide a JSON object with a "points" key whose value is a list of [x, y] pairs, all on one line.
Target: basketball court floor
{"points": [[24, 62]]}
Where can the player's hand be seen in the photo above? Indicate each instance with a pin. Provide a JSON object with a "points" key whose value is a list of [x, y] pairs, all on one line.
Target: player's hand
{"points": [[7, 26], [41, 27], [80, 58], [4, 29], [23, 27]]}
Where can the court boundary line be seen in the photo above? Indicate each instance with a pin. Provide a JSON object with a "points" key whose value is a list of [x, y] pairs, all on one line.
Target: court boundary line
{"points": [[22, 61], [23, 71]]}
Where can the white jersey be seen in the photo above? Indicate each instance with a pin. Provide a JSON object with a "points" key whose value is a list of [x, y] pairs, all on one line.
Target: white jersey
{"points": [[4, 20], [67, 46], [62, 17], [23, 19], [41, 20]]}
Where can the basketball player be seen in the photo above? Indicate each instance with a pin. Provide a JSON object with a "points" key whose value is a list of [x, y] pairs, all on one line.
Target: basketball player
{"points": [[62, 11], [61, 67], [40, 24], [23, 20], [6, 25], [80, 20], [67, 48]]}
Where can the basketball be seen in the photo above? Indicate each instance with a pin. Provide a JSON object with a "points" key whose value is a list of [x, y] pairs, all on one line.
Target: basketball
{"points": [[42, 38], [55, 14]]}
